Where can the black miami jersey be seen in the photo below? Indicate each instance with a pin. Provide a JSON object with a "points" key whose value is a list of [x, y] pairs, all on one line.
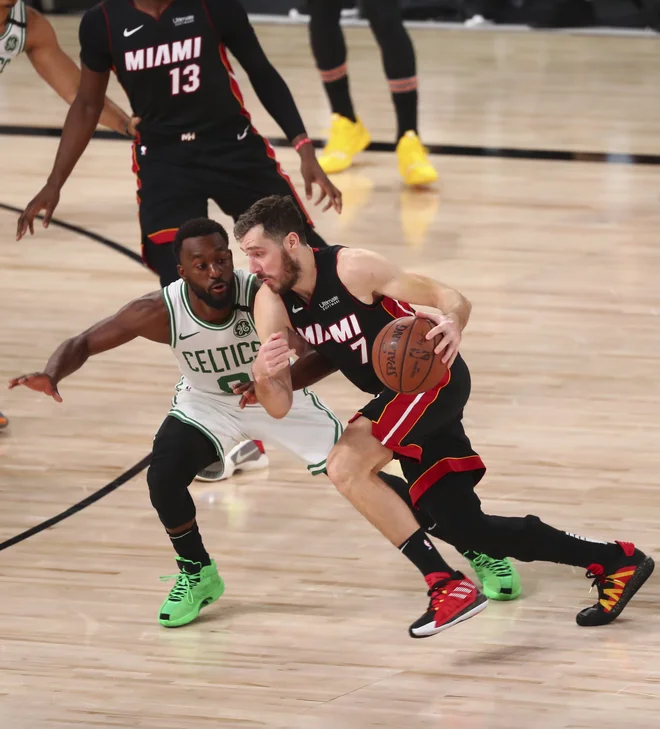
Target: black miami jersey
{"points": [[339, 326], [175, 70]]}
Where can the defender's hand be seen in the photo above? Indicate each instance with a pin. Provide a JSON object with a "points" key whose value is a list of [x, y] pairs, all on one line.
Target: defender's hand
{"points": [[38, 381], [450, 332], [246, 389], [47, 200], [273, 357]]}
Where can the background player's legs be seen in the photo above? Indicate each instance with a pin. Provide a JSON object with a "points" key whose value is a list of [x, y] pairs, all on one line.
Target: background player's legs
{"points": [[179, 452], [348, 135]]}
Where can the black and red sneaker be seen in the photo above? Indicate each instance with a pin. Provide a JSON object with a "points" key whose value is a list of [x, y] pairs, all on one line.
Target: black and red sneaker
{"points": [[454, 599], [616, 583]]}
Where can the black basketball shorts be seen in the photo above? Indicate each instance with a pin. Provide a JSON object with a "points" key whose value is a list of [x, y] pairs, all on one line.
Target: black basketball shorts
{"points": [[235, 167], [425, 432]]}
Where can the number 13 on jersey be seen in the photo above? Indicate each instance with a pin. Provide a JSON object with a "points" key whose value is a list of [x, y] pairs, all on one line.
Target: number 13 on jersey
{"points": [[190, 79]]}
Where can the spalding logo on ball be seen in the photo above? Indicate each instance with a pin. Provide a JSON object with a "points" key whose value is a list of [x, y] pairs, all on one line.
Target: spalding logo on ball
{"points": [[403, 358]]}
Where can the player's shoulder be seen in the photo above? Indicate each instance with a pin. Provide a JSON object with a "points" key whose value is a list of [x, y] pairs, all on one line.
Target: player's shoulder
{"points": [[357, 261], [246, 286]]}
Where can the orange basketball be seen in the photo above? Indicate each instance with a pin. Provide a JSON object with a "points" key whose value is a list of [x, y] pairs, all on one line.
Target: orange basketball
{"points": [[403, 357]]}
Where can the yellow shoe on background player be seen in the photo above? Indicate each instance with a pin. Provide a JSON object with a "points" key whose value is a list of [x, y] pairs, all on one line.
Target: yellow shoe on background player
{"points": [[414, 164], [346, 139]]}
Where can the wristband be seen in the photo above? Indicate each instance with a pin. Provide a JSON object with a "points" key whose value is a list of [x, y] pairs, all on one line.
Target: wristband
{"points": [[302, 142]]}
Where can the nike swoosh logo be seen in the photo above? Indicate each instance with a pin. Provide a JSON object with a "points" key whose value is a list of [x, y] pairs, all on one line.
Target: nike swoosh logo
{"points": [[187, 336], [128, 32], [295, 311], [244, 134]]}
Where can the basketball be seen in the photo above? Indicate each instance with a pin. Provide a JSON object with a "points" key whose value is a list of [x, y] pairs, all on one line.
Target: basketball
{"points": [[403, 358]]}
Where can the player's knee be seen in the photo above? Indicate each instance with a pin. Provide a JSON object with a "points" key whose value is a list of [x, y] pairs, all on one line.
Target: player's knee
{"points": [[345, 468], [168, 479]]}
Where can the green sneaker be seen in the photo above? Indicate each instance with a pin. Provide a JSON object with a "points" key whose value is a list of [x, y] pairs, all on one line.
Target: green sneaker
{"points": [[195, 587], [499, 578]]}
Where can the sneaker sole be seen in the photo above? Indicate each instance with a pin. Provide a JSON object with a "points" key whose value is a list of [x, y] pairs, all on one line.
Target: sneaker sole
{"points": [[502, 596], [474, 610], [194, 613], [642, 573]]}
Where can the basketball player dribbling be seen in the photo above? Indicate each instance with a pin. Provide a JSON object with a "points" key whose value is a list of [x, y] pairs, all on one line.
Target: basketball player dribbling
{"points": [[338, 299], [206, 318], [196, 141]]}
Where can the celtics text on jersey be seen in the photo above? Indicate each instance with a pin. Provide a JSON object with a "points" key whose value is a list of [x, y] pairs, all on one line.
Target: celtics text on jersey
{"points": [[213, 357]]}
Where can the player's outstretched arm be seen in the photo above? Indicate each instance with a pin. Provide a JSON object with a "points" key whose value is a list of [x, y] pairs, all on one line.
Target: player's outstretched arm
{"points": [[271, 370], [80, 122], [368, 274], [144, 317], [62, 74]]}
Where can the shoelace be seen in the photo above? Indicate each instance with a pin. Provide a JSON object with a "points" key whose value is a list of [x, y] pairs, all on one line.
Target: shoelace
{"points": [[596, 572], [183, 586], [499, 567], [437, 593]]}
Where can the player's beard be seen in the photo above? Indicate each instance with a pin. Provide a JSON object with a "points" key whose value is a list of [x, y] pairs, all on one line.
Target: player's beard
{"points": [[290, 274], [216, 301]]}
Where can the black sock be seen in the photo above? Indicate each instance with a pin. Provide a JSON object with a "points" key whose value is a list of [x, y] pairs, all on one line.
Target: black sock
{"points": [[189, 546], [423, 554], [405, 104], [401, 487], [340, 97]]}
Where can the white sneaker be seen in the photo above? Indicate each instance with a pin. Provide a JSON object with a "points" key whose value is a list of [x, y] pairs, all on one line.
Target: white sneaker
{"points": [[246, 456]]}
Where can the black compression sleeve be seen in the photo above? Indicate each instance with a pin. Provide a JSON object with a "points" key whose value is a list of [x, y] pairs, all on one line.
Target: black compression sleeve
{"points": [[231, 23]]}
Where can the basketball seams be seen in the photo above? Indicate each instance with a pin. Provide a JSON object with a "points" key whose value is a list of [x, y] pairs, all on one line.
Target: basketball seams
{"points": [[402, 359], [433, 355]]}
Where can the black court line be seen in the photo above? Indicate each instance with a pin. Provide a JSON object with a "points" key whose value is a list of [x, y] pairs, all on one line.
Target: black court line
{"points": [[452, 150], [81, 231], [119, 481], [127, 475]]}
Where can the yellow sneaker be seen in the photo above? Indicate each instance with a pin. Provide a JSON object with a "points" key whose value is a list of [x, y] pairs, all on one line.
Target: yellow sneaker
{"points": [[414, 165], [347, 139]]}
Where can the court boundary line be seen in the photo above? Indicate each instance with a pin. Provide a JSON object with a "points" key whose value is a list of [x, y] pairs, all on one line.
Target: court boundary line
{"points": [[126, 475], [449, 150]]}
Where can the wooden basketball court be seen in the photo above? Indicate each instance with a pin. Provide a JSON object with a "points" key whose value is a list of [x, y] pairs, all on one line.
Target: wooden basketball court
{"points": [[562, 263]]}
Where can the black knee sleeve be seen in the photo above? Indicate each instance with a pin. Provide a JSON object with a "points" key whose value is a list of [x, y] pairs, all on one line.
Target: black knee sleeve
{"points": [[325, 34], [180, 451], [396, 48]]}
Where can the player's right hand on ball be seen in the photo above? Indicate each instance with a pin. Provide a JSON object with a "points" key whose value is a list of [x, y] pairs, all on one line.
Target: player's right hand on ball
{"points": [[38, 381], [273, 357], [47, 200]]}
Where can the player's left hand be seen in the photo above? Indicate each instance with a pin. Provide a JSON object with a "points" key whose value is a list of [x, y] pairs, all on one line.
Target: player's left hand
{"points": [[313, 174], [132, 126], [448, 329], [246, 389]]}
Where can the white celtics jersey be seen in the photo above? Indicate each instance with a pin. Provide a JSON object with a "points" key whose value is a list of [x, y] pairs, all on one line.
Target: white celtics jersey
{"points": [[12, 41], [212, 357]]}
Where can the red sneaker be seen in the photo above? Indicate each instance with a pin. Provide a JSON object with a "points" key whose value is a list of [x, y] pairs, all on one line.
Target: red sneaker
{"points": [[617, 583], [454, 599]]}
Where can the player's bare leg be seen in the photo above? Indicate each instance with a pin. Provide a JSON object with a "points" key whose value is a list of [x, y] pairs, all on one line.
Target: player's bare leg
{"points": [[353, 465]]}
